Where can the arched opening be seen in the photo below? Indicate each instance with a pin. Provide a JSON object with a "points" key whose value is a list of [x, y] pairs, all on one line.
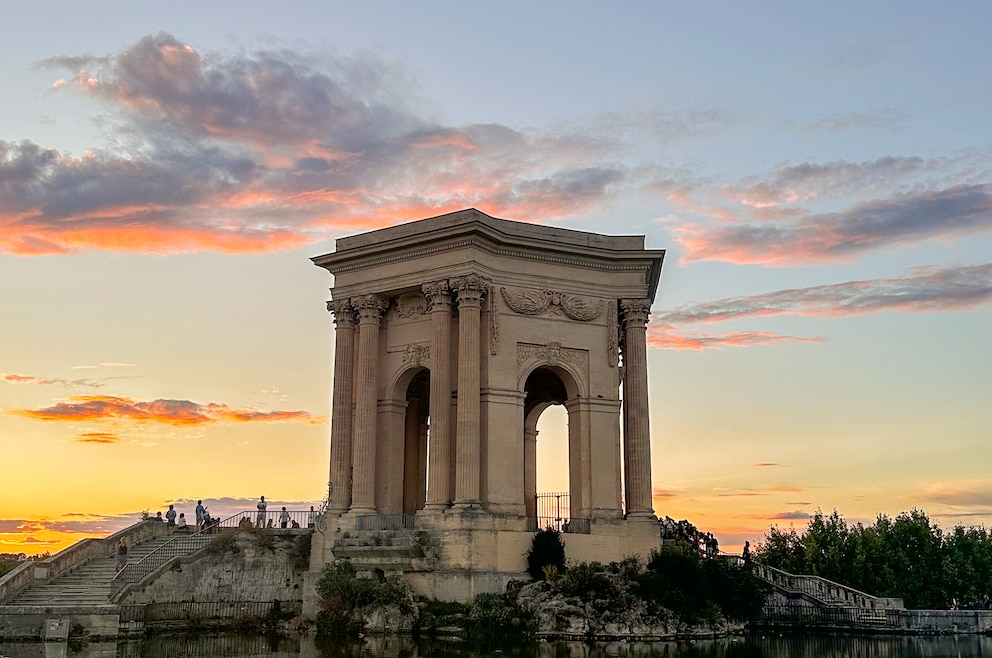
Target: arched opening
{"points": [[547, 477], [415, 442]]}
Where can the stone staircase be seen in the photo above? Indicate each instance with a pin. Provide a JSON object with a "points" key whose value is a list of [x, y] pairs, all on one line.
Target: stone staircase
{"points": [[87, 584], [813, 600], [389, 551]]}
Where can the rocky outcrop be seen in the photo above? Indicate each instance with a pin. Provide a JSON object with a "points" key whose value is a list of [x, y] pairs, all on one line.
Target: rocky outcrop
{"points": [[619, 615]]}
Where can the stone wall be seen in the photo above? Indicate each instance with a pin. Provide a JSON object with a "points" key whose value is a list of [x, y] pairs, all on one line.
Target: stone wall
{"points": [[28, 622], [242, 567]]}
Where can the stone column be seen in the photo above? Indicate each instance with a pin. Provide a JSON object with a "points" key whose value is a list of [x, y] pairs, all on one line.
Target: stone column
{"points": [[370, 309], [339, 490], [439, 467], [471, 290], [637, 440]]}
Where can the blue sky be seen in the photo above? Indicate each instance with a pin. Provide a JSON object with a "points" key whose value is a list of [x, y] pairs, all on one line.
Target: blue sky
{"points": [[821, 176]]}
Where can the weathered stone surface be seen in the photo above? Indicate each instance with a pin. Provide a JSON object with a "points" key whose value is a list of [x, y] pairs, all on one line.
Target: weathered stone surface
{"points": [[246, 570]]}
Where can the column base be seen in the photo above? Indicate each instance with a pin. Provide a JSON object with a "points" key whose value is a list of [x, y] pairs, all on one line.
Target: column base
{"points": [[465, 505], [362, 511]]}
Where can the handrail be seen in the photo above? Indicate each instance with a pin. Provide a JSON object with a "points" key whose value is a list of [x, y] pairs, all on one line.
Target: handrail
{"points": [[827, 591], [188, 544], [71, 557]]}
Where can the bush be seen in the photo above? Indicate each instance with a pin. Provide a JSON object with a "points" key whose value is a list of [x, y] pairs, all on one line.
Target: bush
{"points": [[546, 549], [701, 590], [342, 595], [221, 543], [493, 618]]}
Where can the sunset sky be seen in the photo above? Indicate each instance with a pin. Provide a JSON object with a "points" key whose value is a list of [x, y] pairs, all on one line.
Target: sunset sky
{"points": [[820, 174]]}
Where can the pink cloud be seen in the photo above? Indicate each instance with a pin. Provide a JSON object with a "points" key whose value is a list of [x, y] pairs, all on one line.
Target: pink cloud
{"points": [[665, 337]]}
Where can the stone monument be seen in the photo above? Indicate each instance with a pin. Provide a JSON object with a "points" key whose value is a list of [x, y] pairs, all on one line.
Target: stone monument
{"points": [[452, 335]]}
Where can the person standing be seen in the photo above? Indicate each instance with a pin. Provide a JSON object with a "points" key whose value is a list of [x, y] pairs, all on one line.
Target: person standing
{"points": [[200, 510], [310, 518], [170, 519], [121, 554], [283, 518], [260, 518]]}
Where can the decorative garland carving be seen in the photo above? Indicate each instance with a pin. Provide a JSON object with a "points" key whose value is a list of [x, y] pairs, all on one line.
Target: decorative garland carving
{"points": [[612, 343], [553, 353], [535, 302], [493, 322]]}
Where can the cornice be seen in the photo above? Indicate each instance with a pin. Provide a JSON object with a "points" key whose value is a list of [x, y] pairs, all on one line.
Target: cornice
{"points": [[539, 253]]}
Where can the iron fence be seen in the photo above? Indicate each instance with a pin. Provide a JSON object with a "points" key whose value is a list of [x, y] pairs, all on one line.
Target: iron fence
{"points": [[553, 511]]}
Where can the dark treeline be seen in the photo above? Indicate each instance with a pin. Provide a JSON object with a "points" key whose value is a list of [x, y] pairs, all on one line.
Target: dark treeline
{"points": [[906, 557]]}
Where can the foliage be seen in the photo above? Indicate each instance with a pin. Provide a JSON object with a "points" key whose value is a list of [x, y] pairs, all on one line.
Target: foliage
{"points": [[546, 549], [495, 618], [701, 590], [221, 543], [908, 557], [342, 595], [8, 565]]}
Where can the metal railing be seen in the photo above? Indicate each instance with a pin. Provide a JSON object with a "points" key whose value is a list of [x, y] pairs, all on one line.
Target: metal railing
{"points": [[271, 519], [384, 522], [553, 511], [827, 591], [188, 542]]}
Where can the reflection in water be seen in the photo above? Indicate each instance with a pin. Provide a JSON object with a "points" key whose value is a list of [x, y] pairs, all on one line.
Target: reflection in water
{"points": [[771, 645]]}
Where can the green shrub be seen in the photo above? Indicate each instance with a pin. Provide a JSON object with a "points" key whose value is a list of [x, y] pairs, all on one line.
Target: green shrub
{"points": [[342, 595], [546, 549], [221, 543], [493, 618], [701, 590]]}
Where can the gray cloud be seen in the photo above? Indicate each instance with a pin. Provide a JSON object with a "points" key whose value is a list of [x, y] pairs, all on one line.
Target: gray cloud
{"points": [[834, 237], [790, 516], [273, 149], [922, 289]]}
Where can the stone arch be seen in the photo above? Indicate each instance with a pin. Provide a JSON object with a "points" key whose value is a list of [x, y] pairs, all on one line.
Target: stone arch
{"points": [[411, 388], [545, 386]]}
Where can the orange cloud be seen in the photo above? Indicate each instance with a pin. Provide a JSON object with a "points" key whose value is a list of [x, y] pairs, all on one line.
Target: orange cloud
{"points": [[97, 437], [170, 412]]}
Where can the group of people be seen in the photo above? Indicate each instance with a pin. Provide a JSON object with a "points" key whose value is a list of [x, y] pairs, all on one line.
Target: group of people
{"points": [[179, 523], [285, 519], [703, 543]]}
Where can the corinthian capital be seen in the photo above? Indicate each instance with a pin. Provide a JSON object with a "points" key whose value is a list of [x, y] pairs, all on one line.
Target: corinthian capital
{"points": [[369, 307], [635, 311], [438, 295], [344, 314], [471, 289]]}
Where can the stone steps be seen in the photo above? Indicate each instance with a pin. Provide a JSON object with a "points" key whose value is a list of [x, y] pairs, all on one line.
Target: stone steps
{"points": [[87, 584], [390, 551]]}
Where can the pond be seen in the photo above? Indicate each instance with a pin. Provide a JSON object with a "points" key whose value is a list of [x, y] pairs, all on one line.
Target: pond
{"points": [[756, 645]]}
